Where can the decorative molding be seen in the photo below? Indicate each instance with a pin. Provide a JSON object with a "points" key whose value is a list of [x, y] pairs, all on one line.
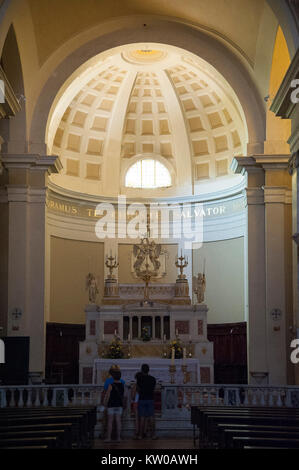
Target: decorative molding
{"points": [[255, 196], [293, 162], [295, 237], [49, 163], [281, 195], [282, 105], [11, 106]]}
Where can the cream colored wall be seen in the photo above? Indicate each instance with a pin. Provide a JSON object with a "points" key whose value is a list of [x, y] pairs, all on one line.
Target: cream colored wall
{"points": [[71, 260], [225, 279], [124, 270]]}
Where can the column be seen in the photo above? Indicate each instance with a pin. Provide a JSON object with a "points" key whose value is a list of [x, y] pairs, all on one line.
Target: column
{"points": [[269, 266], [153, 327], [131, 327], [139, 326], [256, 327], [278, 232], [26, 200], [285, 106]]}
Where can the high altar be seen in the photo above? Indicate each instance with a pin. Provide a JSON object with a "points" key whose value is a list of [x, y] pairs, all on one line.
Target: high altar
{"points": [[146, 318]]}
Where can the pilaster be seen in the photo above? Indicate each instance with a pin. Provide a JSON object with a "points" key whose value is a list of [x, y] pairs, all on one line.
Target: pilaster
{"points": [[24, 196]]}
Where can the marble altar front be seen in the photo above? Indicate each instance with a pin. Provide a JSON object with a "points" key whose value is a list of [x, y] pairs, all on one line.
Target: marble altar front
{"points": [[159, 368]]}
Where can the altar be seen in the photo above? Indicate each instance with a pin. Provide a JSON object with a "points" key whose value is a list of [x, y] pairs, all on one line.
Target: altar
{"points": [[147, 323], [187, 371]]}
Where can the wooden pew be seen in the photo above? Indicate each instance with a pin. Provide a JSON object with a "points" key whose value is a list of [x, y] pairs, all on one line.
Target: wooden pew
{"points": [[88, 412], [79, 430], [62, 442], [222, 428], [230, 434], [50, 442], [240, 442], [208, 419]]}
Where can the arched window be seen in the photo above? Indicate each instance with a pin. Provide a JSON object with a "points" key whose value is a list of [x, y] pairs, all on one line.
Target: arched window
{"points": [[148, 174]]}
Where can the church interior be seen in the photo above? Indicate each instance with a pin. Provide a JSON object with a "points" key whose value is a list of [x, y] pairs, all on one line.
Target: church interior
{"points": [[149, 215]]}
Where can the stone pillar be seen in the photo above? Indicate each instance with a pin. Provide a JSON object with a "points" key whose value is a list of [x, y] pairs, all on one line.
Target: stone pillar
{"points": [[162, 327], [285, 105], [153, 327], [269, 266], [25, 198], [131, 327]]}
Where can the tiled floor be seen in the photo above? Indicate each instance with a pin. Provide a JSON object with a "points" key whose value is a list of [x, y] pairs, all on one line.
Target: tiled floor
{"points": [[146, 444]]}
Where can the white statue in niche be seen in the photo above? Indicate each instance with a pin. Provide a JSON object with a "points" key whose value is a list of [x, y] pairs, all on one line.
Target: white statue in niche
{"points": [[92, 286], [199, 287]]}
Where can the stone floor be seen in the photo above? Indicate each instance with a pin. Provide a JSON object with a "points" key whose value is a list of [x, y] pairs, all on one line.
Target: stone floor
{"points": [[161, 443]]}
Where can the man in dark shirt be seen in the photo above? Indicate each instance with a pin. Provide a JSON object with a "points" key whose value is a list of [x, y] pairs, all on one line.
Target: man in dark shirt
{"points": [[146, 386]]}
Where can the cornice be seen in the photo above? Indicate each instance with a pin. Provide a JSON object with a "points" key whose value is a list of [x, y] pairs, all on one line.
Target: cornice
{"points": [[231, 193], [48, 163], [282, 105], [11, 106]]}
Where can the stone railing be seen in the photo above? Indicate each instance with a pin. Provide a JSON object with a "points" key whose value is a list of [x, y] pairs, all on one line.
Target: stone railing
{"points": [[49, 395], [172, 398]]}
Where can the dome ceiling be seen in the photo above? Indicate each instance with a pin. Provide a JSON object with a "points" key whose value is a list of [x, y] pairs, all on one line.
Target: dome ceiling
{"points": [[142, 101]]}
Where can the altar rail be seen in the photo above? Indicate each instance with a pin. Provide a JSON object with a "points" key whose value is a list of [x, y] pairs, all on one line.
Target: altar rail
{"points": [[173, 399]]}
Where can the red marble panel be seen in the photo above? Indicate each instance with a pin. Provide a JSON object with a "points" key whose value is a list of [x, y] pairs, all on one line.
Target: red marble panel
{"points": [[182, 326], [205, 375], [87, 375], [110, 327], [92, 327], [200, 327]]}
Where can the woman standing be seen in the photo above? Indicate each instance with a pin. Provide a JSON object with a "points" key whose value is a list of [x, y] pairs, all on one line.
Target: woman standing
{"points": [[114, 400]]}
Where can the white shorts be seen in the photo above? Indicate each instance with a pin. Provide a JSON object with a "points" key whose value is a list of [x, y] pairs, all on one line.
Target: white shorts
{"points": [[115, 410]]}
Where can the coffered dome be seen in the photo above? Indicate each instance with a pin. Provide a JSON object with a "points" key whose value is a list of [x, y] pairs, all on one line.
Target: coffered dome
{"points": [[146, 101]]}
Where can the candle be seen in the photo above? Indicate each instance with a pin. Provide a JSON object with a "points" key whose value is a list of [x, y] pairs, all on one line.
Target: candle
{"points": [[103, 338], [172, 356], [129, 337], [164, 338]]}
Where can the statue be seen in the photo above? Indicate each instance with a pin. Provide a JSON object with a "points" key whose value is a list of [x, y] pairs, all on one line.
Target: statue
{"points": [[199, 287], [91, 285]]}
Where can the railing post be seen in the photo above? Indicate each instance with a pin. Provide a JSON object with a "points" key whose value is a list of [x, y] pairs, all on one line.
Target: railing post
{"points": [[246, 397], [21, 399], [263, 403], [37, 397], [288, 398], [45, 400], [279, 402], [225, 399], [271, 403], [3, 403]]}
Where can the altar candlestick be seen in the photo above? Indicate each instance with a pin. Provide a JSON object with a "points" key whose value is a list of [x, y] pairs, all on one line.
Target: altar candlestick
{"points": [[172, 356]]}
